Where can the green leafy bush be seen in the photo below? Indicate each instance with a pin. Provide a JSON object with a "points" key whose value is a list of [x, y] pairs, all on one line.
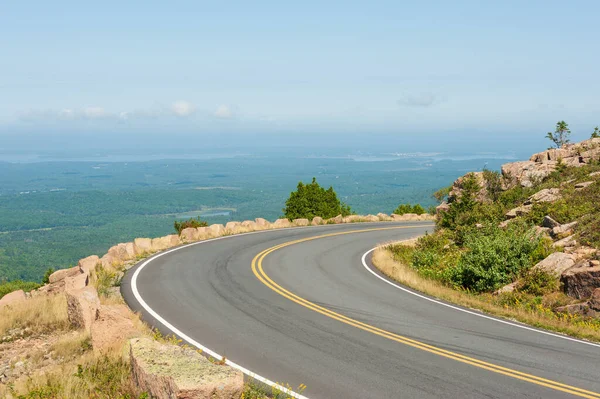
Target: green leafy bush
{"points": [[538, 282], [195, 223], [310, 200], [408, 208], [495, 257]]}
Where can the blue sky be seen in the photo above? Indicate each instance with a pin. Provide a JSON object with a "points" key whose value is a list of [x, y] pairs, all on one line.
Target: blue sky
{"points": [[212, 67]]}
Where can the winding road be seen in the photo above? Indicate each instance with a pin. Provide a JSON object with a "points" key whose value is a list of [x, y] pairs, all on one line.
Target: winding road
{"points": [[304, 306]]}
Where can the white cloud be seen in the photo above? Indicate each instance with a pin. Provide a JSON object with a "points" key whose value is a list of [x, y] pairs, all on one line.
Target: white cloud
{"points": [[183, 108], [95, 112], [224, 112], [422, 100]]}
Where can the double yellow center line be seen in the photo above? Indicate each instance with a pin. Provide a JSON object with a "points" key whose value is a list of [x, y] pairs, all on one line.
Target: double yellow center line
{"points": [[258, 271]]}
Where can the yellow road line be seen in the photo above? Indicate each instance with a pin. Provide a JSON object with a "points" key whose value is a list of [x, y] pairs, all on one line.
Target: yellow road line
{"points": [[259, 272]]}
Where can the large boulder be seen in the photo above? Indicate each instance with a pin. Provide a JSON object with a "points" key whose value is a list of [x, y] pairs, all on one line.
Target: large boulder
{"points": [[82, 306], [567, 242], [545, 195], [581, 281], [122, 252], [526, 173], [189, 234], [88, 264], [384, 217], [594, 301], [64, 273], [317, 220], [281, 223], [249, 225], [162, 243], [142, 246], [352, 219], [563, 230], [550, 223], [216, 230], [77, 282], [556, 263], [107, 261], [518, 211], [371, 218], [301, 222], [112, 327], [168, 371], [585, 184], [262, 223], [12, 298], [551, 155], [336, 220]]}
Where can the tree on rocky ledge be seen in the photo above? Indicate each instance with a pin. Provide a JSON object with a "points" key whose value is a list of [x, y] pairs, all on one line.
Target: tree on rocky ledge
{"points": [[310, 200], [561, 134], [596, 133]]}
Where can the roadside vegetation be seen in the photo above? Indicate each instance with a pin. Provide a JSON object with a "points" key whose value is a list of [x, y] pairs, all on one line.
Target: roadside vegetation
{"points": [[311, 200], [475, 251], [192, 222]]}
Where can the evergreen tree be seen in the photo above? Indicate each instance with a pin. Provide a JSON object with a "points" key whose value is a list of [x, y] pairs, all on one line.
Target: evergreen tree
{"points": [[310, 200], [596, 133], [561, 134]]}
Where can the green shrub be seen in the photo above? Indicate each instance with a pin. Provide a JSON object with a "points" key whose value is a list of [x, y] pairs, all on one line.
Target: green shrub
{"points": [[494, 257], [46, 279], [538, 282], [408, 208], [184, 224], [310, 200]]}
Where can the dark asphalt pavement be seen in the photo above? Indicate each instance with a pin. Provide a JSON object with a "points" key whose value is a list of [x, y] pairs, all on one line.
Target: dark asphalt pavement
{"points": [[209, 292]]}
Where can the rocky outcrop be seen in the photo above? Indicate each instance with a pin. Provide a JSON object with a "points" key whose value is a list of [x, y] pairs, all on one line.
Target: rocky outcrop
{"points": [[563, 230], [12, 298], [111, 326], [64, 273], [122, 252], [581, 280], [566, 243], [540, 165], [82, 306], [556, 263], [317, 221], [518, 211], [142, 246], [189, 234], [170, 371], [215, 230], [545, 195], [88, 264], [384, 218], [282, 223], [582, 185], [371, 218], [336, 220], [262, 223], [301, 222], [549, 222], [77, 282]]}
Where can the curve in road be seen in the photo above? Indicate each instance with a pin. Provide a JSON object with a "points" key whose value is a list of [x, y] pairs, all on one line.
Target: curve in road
{"points": [[209, 293]]}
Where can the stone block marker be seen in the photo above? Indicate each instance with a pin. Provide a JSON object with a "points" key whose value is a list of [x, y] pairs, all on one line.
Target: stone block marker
{"points": [[169, 371]]}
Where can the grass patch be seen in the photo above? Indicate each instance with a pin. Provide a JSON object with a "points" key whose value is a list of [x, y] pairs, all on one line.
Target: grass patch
{"points": [[39, 315], [520, 306]]}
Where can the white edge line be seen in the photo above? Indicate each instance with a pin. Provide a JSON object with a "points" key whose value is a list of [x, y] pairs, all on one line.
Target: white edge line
{"points": [[364, 262], [190, 340]]}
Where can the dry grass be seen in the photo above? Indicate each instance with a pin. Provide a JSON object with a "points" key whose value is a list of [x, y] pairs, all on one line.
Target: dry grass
{"points": [[39, 315], [541, 316]]}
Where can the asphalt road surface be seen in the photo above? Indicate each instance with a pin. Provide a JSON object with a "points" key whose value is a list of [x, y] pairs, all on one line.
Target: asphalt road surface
{"points": [[309, 312]]}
